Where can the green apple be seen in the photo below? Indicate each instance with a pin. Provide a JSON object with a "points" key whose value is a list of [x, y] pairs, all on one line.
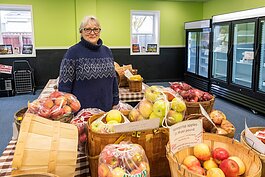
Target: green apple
{"points": [[153, 116], [178, 104], [160, 107], [174, 117], [96, 126], [152, 93], [145, 108], [114, 115]]}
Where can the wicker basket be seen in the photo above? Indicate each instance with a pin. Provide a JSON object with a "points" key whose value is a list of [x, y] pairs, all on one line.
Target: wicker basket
{"points": [[250, 159], [45, 146], [153, 142], [18, 116], [122, 79], [135, 86], [244, 142], [194, 107]]}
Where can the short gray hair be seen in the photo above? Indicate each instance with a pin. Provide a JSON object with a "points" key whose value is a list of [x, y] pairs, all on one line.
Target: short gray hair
{"points": [[89, 20]]}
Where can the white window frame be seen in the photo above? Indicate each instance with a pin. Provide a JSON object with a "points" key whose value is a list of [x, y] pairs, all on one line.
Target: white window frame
{"points": [[20, 7], [156, 29]]}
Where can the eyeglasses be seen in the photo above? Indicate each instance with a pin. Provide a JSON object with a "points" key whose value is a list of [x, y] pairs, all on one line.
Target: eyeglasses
{"points": [[89, 30]]}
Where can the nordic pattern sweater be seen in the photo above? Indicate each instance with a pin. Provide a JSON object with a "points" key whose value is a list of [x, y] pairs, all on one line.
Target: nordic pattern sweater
{"points": [[87, 71]]}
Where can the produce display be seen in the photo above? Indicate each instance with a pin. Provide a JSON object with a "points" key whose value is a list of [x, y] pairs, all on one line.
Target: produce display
{"points": [[159, 102], [118, 160], [189, 93], [57, 106], [80, 120], [124, 108], [215, 162], [218, 124], [104, 124]]}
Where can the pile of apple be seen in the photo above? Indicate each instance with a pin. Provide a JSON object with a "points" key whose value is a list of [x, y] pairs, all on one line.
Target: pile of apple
{"points": [[218, 123], [120, 160], [104, 124], [189, 93], [80, 120], [159, 103], [55, 106], [215, 163]]}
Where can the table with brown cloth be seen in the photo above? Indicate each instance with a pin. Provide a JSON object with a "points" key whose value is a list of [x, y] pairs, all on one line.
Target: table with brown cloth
{"points": [[124, 93], [82, 165]]}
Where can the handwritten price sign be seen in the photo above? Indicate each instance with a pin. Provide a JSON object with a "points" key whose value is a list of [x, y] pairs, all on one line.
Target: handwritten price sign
{"points": [[185, 134]]}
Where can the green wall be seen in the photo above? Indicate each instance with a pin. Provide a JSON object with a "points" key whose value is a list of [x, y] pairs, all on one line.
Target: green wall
{"points": [[216, 7], [56, 22]]}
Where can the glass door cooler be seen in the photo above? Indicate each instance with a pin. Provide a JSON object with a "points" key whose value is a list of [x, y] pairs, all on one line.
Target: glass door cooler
{"points": [[237, 68], [197, 54]]}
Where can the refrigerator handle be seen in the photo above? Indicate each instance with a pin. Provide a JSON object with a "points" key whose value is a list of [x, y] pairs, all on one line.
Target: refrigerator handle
{"points": [[229, 52], [256, 52]]}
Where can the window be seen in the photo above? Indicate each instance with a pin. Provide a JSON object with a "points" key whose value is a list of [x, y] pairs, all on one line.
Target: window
{"points": [[145, 32], [16, 31]]}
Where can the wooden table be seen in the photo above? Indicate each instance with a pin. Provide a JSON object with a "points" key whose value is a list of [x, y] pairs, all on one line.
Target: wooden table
{"points": [[124, 93]]}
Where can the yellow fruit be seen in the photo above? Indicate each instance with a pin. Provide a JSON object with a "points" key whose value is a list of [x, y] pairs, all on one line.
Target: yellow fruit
{"points": [[240, 163], [136, 77], [114, 115], [215, 172]]}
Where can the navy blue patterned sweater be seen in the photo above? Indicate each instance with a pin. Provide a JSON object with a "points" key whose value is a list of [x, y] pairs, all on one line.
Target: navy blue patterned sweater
{"points": [[88, 72]]}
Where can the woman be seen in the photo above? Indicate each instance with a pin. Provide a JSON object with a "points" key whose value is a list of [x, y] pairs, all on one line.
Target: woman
{"points": [[87, 69]]}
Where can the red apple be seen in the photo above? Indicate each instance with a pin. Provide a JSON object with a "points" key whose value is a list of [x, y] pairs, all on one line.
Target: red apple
{"points": [[75, 105], [103, 170], [220, 154], [55, 94], [198, 170], [60, 101], [56, 112], [202, 151], [67, 109], [83, 138], [48, 103], [191, 161], [44, 112], [229, 167], [109, 158]]}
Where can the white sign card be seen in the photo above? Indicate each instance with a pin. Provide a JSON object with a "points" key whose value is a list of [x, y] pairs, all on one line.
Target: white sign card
{"points": [[127, 73], [185, 134], [253, 141], [137, 126]]}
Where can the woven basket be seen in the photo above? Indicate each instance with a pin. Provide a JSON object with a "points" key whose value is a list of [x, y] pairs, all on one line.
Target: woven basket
{"points": [[194, 107], [19, 115], [135, 86], [45, 146], [123, 82], [244, 142], [36, 175], [250, 159], [153, 142]]}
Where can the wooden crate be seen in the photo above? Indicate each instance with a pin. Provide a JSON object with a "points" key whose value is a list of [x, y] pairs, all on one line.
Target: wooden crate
{"points": [[45, 146]]}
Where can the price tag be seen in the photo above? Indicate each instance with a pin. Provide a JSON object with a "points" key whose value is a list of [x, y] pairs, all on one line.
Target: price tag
{"points": [[137, 126], [185, 134]]}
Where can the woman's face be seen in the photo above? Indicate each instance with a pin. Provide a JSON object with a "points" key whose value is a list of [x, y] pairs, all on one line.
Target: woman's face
{"points": [[91, 33]]}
